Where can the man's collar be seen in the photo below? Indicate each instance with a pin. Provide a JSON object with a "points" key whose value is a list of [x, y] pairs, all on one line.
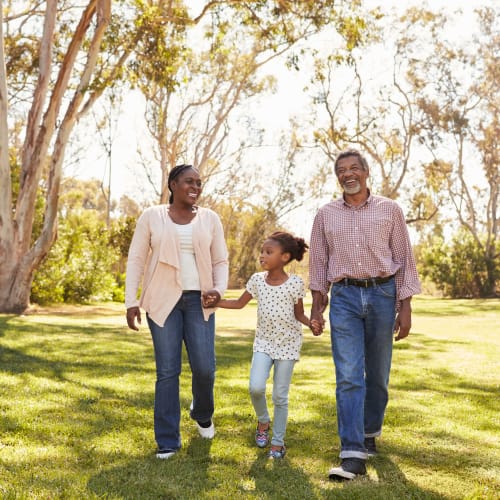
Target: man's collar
{"points": [[368, 199]]}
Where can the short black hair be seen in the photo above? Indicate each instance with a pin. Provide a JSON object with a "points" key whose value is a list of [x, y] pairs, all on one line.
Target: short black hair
{"points": [[352, 152]]}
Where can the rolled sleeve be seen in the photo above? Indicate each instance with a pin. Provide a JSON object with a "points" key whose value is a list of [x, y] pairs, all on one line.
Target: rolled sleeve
{"points": [[407, 280]]}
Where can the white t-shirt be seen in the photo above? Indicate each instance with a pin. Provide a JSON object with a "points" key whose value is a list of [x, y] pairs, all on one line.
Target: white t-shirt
{"points": [[189, 272], [278, 333]]}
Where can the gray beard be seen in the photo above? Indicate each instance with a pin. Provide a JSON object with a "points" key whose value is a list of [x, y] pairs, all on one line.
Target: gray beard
{"points": [[352, 190]]}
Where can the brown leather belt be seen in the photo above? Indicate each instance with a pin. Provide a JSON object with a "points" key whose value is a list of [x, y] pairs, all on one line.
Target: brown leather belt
{"points": [[365, 283]]}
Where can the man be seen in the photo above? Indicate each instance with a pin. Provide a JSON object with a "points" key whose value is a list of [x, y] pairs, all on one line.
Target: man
{"points": [[361, 248]]}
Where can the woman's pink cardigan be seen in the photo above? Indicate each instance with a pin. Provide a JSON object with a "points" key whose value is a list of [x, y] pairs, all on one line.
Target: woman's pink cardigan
{"points": [[154, 259]]}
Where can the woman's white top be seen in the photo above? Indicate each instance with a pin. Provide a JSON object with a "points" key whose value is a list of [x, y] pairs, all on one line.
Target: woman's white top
{"points": [[278, 332], [190, 278]]}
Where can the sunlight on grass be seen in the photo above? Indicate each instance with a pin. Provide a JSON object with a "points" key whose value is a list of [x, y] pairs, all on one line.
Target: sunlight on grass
{"points": [[77, 405]]}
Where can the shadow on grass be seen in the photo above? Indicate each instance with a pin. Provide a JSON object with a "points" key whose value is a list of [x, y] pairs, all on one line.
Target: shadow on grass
{"points": [[185, 475], [76, 372], [448, 385], [279, 479]]}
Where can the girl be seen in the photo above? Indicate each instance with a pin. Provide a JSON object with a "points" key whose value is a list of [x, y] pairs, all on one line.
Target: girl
{"points": [[278, 336]]}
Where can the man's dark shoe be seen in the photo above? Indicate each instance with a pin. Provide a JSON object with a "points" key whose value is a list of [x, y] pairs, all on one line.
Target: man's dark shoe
{"points": [[370, 446], [348, 469]]}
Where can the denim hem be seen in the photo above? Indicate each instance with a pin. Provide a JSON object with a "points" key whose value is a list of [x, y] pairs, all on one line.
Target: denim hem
{"points": [[373, 434], [353, 454]]}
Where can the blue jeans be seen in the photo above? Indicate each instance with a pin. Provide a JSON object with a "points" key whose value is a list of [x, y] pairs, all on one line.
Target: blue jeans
{"points": [[184, 324], [362, 330], [259, 373]]}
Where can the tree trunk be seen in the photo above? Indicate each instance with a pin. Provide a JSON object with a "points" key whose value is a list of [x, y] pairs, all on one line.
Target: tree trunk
{"points": [[15, 287], [490, 286]]}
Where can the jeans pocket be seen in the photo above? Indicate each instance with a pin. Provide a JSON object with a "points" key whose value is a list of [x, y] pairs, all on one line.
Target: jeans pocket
{"points": [[336, 289], [387, 289]]}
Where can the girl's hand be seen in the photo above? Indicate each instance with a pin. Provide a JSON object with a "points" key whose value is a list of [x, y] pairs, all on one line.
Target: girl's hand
{"points": [[316, 327], [210, 298]]}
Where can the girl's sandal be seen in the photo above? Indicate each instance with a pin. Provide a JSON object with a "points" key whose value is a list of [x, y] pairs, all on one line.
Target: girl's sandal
{"points": [[277, 452], [262, 437]]}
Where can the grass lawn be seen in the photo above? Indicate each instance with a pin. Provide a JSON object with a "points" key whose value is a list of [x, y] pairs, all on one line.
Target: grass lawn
{"points": [[76, 411]]}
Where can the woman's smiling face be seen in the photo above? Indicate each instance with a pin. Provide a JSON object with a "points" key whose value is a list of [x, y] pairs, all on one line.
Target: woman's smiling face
{"points": [[187, 187]]}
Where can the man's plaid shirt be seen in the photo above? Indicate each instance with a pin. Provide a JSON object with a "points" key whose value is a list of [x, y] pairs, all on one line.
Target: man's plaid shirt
{"points": [[367, 241]]}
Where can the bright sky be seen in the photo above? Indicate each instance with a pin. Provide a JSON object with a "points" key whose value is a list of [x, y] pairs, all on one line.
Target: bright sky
{"points": [[273, 111]]}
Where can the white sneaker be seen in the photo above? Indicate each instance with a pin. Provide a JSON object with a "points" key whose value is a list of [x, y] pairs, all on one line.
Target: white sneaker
{"points": [[163, 455], [206, 432]]}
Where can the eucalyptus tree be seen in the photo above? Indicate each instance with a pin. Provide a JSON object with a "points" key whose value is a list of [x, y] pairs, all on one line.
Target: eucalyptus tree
{"points": [[376, 112], [456, 84], [56, 60], [48, 55], [58, 57], [196, 68]]}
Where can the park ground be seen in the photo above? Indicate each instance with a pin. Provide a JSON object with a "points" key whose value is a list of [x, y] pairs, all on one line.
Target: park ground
{"points": [[77, 391]]}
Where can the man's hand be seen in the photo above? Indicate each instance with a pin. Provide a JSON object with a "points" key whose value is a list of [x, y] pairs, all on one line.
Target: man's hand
{"points": [[133, 313], [320, 301], [402, 325]]}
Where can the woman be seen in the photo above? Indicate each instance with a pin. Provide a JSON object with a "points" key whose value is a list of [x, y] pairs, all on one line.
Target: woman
{"points": [[179, 254]]}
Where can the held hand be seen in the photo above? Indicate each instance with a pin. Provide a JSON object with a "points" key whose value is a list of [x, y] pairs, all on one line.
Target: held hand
{"points": [[210, 298], [133, 313], [316, 327]]}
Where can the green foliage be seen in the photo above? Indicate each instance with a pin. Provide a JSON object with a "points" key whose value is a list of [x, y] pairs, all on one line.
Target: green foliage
{"points": [[245, 229], [88, 260], [78, 268], [460, 268]]}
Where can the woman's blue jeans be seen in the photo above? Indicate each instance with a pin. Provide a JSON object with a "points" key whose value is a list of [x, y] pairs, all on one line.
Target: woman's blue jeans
{"points": [[259, 373], [362, 332], [184, 324]]}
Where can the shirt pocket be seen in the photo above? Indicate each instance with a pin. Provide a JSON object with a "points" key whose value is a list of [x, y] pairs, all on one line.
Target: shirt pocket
{"points": [[378, 234]]}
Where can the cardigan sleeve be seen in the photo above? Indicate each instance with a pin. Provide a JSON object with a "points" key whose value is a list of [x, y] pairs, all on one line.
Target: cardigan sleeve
{"points": [[219, 256], [137, 257]]}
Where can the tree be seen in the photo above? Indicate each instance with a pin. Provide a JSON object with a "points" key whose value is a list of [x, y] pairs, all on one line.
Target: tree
{"points": [[457, 267], [56, 79], [56, 60], [195, 71], [457, 90], [248, 217], [378, 118]]}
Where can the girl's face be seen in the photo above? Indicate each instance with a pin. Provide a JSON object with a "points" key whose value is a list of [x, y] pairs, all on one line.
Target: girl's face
{"points": [[272, 256], [187, 187]]}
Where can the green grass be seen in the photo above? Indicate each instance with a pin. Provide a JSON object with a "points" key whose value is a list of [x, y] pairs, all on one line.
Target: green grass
{"points": [[76, 412]]}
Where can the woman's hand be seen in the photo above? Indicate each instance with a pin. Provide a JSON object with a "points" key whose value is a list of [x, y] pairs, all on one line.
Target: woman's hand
{"points": [[210, 298], [133, 313]]}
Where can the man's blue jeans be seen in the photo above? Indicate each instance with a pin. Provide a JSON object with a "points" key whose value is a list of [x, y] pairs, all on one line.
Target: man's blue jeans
{"points": [[259, 373], [184, 324], [362, 330]]}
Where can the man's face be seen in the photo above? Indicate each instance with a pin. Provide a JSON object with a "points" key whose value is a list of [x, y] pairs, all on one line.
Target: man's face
{"points": [[351, 175]]}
